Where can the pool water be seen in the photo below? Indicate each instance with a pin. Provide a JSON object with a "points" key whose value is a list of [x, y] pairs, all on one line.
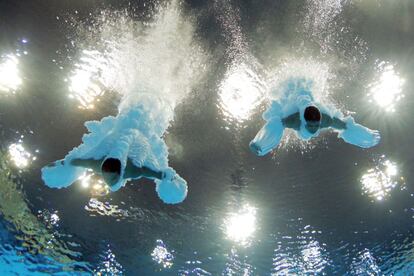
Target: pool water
{"points": [[321, 207]]}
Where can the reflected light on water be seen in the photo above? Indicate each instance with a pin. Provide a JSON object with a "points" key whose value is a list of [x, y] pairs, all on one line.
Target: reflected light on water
{"points": [[161, 255], [94, 184], [312, 257], [302, 254], [240, 92], [88, 80], [240, 226], [96, 207], [365, 264], [9, 74], [387, 90], [109, 265], [20, 157], [378, 182]]}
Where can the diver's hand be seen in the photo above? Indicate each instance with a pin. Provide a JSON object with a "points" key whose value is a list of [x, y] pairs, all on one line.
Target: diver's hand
{"points": [[61, 174], [359, 135], [171, 189], [268, 137]]}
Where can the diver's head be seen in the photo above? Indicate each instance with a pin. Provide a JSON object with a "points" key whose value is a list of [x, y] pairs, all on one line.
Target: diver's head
{"points": [[111, 171], [313, 119]]}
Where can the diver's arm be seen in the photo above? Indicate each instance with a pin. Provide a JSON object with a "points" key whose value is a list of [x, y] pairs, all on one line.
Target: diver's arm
{"points": [[134, 172], [336, 123], [292, 121], [93, 164], [358, 135], [268, 137]]}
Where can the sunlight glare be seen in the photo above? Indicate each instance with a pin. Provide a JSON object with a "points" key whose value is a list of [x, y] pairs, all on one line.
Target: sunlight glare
{"points": [[240, 226], [94, 184], [240, 92], [9, 74], [387, 90]]}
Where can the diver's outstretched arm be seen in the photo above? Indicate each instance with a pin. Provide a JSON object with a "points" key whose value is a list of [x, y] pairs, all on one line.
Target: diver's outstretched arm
{"points": [[332, 122], [268, 137], [135, 172], [358, 135], [131, 171], [61, 173], [92, 164]]}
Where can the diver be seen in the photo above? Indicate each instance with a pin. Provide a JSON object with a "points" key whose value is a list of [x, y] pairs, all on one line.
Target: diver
{"points": [[298, 110], [120, 149], [110, 169]]}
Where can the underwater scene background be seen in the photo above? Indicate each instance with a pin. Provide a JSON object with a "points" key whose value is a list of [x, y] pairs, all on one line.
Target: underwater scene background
{"points": [[318, 207]]}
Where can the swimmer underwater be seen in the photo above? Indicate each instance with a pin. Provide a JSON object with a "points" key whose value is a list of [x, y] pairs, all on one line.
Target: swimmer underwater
{"points": [[298, 110], [119, 149]]}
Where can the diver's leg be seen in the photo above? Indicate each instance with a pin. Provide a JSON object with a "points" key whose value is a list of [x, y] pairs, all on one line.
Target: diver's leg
{"points": [[268, 137]]}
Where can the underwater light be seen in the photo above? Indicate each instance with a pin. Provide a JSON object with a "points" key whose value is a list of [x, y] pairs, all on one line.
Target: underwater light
{"points": [[240, 92], [240, 226], [94, 184], [9, 74], [387, 91]]}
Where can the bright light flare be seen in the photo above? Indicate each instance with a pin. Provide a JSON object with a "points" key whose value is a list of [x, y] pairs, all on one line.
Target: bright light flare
{"points": [[94, 184], [240, 226], [9, 74], [240, 92], [387, 90], [378, 182], [20, 156], [161, 255], [88, 80]]}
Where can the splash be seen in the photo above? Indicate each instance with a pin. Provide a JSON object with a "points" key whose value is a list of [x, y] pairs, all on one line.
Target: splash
{"points": [[160, 58], [152, 66], [87, 82]]}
